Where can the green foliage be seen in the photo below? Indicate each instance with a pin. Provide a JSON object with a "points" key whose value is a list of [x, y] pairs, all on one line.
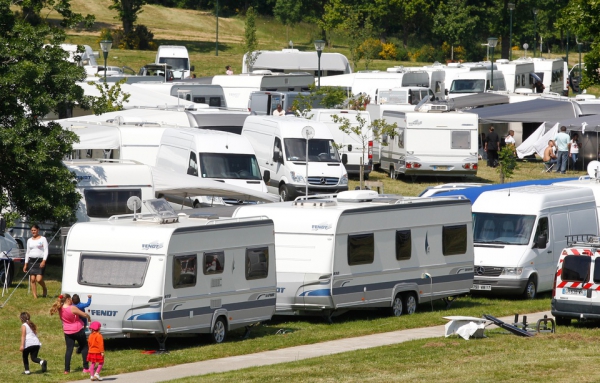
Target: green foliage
{"points": [[327, 97], [111, 98], [250, 39], [427, 53], [369, 50], [288, 12], [507, 161], [388, 51], [460, 54], [127, 11], [140, 38], [591, 74]]}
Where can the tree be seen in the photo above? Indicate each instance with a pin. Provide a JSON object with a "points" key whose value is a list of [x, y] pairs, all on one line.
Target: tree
{"points": [[454, 23], [250, 40], [288, 12], [111, 97], [36, 79], [507, 162], [128, 11]]}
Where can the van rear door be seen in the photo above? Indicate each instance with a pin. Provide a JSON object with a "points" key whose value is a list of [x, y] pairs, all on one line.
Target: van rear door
{"points": [[574, 280]]}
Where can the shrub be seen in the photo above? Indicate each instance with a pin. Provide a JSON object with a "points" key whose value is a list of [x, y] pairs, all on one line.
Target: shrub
{"points": [[140, 38], [428, 53], [388, 51], [460, 52]]}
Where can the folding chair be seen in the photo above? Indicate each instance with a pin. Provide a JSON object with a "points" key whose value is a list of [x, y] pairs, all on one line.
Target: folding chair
{"points": [[548, 166]]}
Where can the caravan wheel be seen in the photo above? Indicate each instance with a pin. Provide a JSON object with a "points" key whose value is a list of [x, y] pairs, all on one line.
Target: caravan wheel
{"points": [[397, 306], [219, 332], [410, 303]]}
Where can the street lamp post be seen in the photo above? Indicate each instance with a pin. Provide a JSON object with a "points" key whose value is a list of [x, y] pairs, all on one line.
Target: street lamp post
{"points": [[511, 7], [105, 45], [535, 12], [217, 40], [525, 46], [319, 45], [579, 44], [492, 41]]}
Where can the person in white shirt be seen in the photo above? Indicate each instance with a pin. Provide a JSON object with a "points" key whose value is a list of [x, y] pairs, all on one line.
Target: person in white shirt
{"points": [[510, 139], [279, 111], [30, 343], [574, 149], [37, 254]]}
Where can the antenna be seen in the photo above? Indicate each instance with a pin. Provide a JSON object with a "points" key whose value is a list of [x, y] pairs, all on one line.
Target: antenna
{"points": [[134, 203]]}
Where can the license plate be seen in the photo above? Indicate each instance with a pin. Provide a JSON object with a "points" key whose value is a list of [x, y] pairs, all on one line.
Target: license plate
{"points": [[482, 287], [440, 167], [568, 291]]}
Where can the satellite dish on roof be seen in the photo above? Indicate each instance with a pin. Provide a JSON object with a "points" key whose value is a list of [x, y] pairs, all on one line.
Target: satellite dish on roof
{"points": [[593, 169], [134, 203]]}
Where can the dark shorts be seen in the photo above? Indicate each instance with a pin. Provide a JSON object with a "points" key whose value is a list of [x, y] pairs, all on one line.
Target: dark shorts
{"points": [[36, 269]]}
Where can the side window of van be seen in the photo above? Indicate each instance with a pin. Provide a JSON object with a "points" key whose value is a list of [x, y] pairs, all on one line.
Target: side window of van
{"points": [[454, 239], [213, 262], [403, 245], [193, 166], [257, 263], [597, 271], [184, 271], [277, 147], [542, 228], [361, 249]]}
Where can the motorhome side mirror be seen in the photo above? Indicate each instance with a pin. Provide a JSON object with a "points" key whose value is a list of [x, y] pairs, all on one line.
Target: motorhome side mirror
{"points": [[192, 68], [541, 241], [446, 92], [277, 156], [344, 159], [267, 176]]}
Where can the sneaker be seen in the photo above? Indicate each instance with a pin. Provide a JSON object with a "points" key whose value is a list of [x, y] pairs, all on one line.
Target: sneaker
{"points": [[93, 378], [26, 372], [44, 365], [97, 377]]}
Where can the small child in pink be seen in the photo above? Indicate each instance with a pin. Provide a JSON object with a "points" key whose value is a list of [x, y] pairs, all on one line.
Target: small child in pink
{"points": [[96, 351]]}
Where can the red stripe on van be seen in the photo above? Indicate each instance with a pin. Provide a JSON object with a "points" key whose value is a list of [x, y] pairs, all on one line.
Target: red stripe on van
{"points": [[587, 286], [575, 252], [575, 284], [562, 284]]}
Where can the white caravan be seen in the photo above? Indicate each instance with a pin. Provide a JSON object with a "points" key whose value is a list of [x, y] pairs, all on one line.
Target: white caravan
{"points": [[281, 152], [210, 154], [431, 143], [350, 145], [519, 234], [293, 61], [361, 250], [162, 275], [517, 74], [552, 72], [237, 88], [402, 96], [265, 103], [177, 57]]}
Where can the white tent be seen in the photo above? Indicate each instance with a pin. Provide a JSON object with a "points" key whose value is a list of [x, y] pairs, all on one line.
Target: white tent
{"points": [[538, 141]]}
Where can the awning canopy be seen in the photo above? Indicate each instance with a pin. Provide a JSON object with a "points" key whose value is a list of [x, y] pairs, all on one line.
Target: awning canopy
{"points": [[94, 136], [477, 100], [592, 123], [536, 111]]}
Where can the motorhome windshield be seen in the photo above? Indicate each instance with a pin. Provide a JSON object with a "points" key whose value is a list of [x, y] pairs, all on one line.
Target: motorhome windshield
{"points": [[509, 229], [109, 271], [318, 150], [229, 166], [104, 203], [467, 86], [177, 63]]}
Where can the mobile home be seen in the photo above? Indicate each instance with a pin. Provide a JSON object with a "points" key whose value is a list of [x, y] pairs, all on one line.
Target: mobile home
{"points": [[293, 61], [552, 72], [516, 74], [360, 250], [161, 274]]}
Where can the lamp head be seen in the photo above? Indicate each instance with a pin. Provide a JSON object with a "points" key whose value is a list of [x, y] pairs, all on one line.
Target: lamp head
{"points": [[105, 45], [492, 42], [319, 45], [525, 46], [535, 11], [511, 6]]}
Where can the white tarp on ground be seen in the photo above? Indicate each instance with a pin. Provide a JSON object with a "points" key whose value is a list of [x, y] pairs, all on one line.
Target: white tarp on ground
{"points": [[538, 141], [170, 183]]}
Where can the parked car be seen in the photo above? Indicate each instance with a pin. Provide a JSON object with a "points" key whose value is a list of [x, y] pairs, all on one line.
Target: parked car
{"points": [[163, 70]]}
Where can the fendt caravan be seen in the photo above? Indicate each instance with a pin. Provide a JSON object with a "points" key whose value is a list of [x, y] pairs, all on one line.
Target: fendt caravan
{"points": [[281, 152], [162, 274], [519, 234], [361, 250]]}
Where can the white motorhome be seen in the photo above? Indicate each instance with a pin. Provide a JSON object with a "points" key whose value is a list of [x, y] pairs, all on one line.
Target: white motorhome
{"points": [[212, 95], [210, 154], [402, 96], [519, 234], [265, 103], [162, 274], [350, 145], [361, 250], [369, 82], [281, 152], [552, 72], [237, 88], [431, 143], [177, 57], [293, 61], [517, 74], [477, 81]]}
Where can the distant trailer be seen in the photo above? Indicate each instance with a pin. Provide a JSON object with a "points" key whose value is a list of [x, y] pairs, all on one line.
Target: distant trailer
{"points": [[293, 60]]}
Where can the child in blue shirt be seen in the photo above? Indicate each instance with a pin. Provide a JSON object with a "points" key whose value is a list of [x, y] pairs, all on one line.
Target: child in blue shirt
{"points": [[81, 306]]}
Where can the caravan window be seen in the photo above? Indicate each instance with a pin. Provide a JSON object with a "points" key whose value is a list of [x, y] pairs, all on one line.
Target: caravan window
{"points": [[361, 249], [185, 271], [214, 101], [214, 262], [200, 100], [104, 203], [401, 138], [403, 245], [461, 139], [576, 268], [257, 263], [111, 271], [193, 165], [454, 239]]}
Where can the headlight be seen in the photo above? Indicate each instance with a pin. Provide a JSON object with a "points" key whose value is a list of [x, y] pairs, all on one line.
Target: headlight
{"points": [[344, 179], [297, 178], [512, 271]]}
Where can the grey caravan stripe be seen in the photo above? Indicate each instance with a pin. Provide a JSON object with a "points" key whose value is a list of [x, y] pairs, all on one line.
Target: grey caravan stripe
{"points": [[388, 285], [184, 230], [416, 205], [229, 307]]}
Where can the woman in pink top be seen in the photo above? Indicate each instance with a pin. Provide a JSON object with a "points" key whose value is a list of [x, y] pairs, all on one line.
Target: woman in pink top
{"points": [[73, 329]]}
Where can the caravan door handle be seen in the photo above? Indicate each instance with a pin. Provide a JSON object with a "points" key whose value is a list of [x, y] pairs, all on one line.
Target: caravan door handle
{"points": [[549, 251]]}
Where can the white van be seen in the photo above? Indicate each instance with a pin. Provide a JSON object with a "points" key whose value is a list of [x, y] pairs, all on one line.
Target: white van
{"points": [[150, 276], [210, 154], [519, 234], [281, 152], [362, 250], [468, 83], [349, 145], [177, 57], [576, 290]]}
